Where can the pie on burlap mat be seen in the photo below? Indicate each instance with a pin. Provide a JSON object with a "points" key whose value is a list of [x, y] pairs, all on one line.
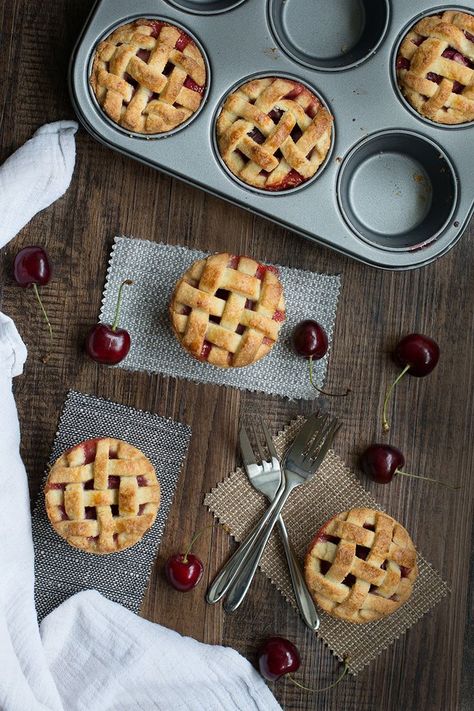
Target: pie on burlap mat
{"points": [[334, 489]]}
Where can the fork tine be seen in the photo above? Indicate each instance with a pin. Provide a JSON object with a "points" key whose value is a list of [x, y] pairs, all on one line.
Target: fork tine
{"points": [[248, 456], [268, 439], [314, 445], [261, 451], [306, 433], [326, 444]]}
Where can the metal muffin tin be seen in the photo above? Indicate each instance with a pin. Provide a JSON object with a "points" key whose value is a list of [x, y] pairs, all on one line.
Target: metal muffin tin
{"points": [[396, 190]]}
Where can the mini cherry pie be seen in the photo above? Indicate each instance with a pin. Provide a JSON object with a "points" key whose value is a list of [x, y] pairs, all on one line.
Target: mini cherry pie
{"points": [[148, 76], [228, 310], [102, 495], [361, 566], [273, 133], [435, 67]]}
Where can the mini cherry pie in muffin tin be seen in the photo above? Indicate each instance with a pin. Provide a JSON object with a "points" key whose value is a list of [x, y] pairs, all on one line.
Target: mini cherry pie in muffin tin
{"points": [[228, 310], [148, 76], [102, 495], [435, 67], [273, 133], [361, 566]]}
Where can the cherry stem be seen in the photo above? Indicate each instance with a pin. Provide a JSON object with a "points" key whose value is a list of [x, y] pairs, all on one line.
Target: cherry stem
{"points": [[323, 392], [325, 688], [385, 423], [427, 478], [194, 539], [127, 282], [38, 297]]}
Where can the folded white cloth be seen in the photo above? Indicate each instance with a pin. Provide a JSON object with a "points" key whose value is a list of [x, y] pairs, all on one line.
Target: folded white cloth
{"points": [[36, 175], [90, 654]]}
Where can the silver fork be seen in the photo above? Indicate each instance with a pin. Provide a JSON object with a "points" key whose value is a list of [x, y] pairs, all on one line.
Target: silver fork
{"points": [[299, 464], [268, 486]]}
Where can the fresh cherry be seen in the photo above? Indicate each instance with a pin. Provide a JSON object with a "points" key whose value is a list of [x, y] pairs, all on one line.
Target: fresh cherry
{"points": [[418, 355], [382, 461], [106, 343], [32, 267], [276, 657], [310, 340], [183, 571]]}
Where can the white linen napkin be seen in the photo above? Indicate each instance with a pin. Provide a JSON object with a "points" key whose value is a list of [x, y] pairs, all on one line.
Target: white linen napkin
{"points": [[90, 654], [36, 175]]}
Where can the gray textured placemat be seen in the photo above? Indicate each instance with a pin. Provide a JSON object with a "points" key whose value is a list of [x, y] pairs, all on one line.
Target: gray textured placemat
{"points": [[60, 569], [155, 269]]}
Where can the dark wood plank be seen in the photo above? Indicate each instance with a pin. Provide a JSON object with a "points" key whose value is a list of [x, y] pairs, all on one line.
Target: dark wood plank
{"points": [[432, 418]]}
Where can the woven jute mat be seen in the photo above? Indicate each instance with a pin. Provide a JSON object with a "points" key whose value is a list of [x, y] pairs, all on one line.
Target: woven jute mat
{"points": [[334, 489]]}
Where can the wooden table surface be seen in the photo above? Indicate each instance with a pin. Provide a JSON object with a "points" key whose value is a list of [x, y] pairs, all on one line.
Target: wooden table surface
{"points": [[432, 417]]}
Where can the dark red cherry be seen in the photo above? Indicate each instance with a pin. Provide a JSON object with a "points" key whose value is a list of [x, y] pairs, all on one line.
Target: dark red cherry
{"points": [[310, 340], [417, 352], [32, 266], [418, 355], [276, 657], [106, 343], [381, 461], [183, 571]]}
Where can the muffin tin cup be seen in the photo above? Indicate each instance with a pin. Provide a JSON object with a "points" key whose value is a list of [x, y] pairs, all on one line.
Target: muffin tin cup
{"points": [[396, 47], [376, 141], [329, 41], [226, 169], [397, 190]]}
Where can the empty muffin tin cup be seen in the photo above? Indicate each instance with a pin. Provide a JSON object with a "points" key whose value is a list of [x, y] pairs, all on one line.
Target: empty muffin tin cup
{"points": [[397, 190], [329, 36], [205, 7]]}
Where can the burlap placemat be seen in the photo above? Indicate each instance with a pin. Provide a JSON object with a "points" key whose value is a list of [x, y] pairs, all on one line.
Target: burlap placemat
{"points": [[334, 489], [155, 269], [60, 569]]}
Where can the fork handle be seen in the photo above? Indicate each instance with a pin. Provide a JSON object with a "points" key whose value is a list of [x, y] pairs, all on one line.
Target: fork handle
{"points": [[241, 582], [303, 598], [228, 573]]}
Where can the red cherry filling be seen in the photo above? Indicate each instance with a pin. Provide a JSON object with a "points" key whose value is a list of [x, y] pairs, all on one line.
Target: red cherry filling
{"points": [[291, 180], [62, 511], [233, 264], [56, 486], [205, 350], [349, 580], [113, 482], [141, 509], [91, 512], [182, 41], [362, 552], [144, 54], [279, 316], [469, 36], [404, 572], [369, 526], [191, 84], [156, 26], [324, 566], [115, 510], [403, 63]]}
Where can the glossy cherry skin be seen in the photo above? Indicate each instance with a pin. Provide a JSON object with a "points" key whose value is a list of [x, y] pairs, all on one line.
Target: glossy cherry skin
{"points": [[31, 266], [183, 574], [310, 340], [420, 352], [276, 657], [107, 346], [381, 461]]}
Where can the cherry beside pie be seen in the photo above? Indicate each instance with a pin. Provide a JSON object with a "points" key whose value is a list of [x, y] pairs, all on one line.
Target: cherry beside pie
{"points": [[435, 67], [273, 133], [228, 310], [148, 76], [361, 566], [102, 495]]}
